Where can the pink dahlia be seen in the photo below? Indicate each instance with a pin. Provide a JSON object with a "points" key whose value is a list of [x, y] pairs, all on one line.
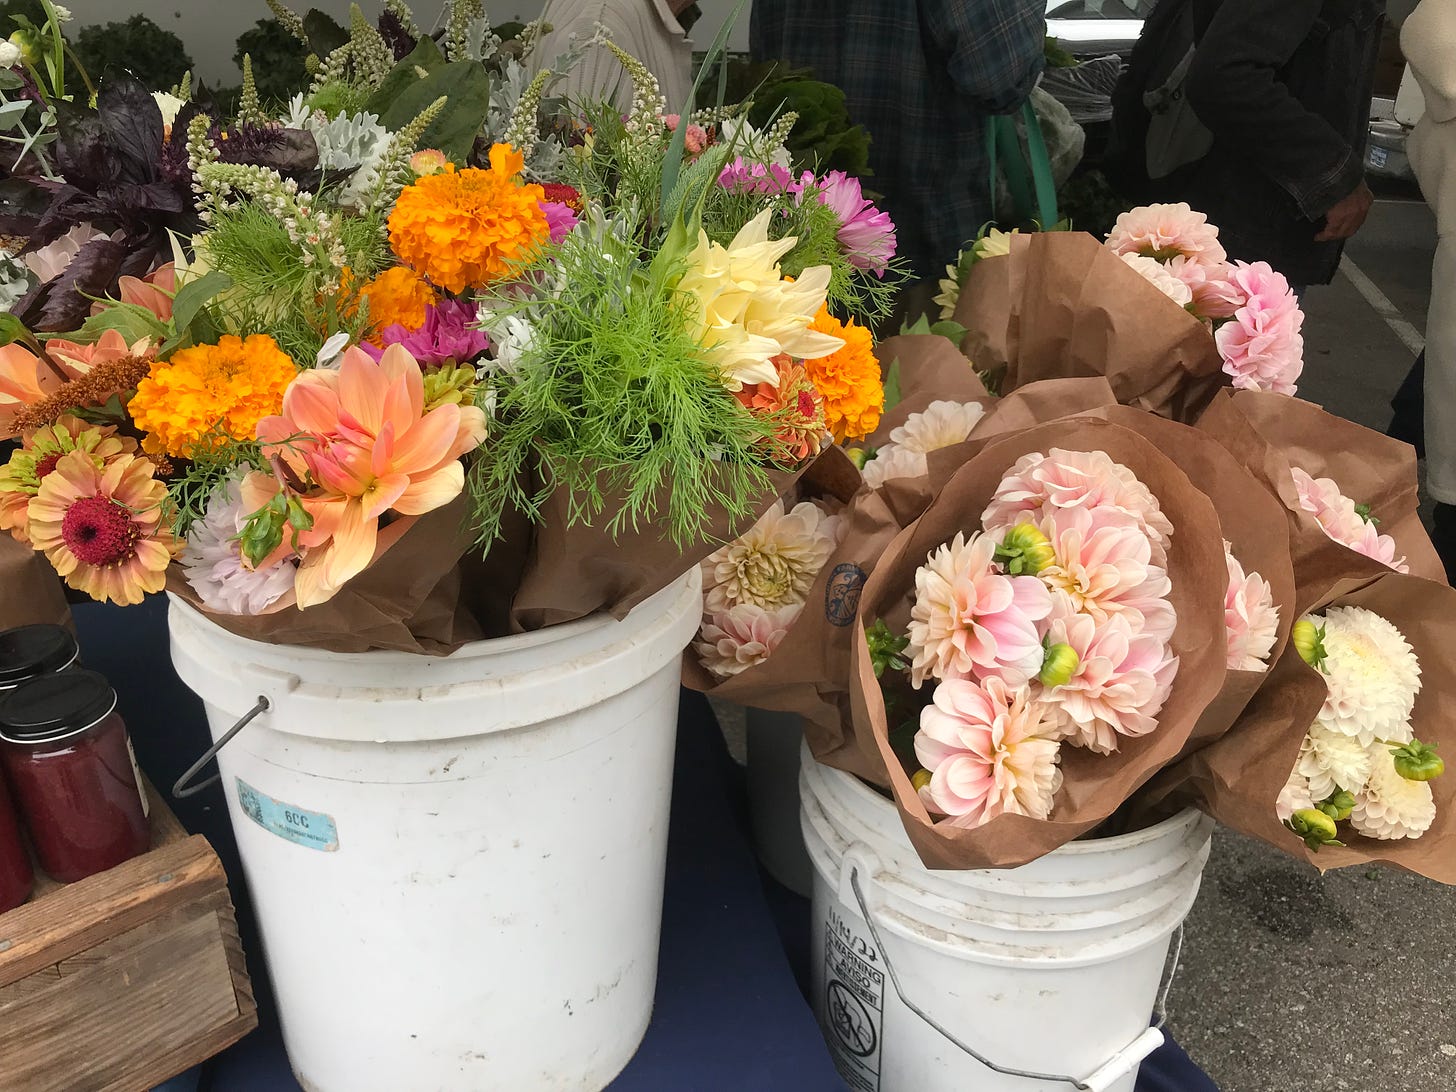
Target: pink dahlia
{"points": [[1250, 618], [1166, 232], [989, 751], [731, 641], [1261, 346], [1040, 484], [866, 235], [1215, 295], [449, 332], [1339, 518], [969, 619], [1121, 682], [1104, 567]]}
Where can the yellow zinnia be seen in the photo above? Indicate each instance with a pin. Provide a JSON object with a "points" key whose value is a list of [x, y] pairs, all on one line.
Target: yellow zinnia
{"points": [[209, 392], [849, 379], [464, 229]]}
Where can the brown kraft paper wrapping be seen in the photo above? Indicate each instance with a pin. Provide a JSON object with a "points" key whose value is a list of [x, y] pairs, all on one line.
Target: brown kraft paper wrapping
{"points": [[30, 591], [1271, 433], [408, 600], [1077, 309], [1238, 779], [931, 369], [1094, 786]]}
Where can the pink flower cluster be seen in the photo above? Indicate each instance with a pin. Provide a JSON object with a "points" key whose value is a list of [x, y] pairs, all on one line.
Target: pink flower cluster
{"points": [[1049, 626], [1254, 314], [744, 176], [1341, 519]]}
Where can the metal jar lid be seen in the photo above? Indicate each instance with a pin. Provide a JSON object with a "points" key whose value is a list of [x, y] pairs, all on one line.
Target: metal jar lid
{"points": [[27, 652], [55, 707]]}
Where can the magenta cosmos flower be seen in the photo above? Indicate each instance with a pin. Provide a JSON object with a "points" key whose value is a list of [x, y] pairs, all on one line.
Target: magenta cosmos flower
{"points": [[866, 235]]}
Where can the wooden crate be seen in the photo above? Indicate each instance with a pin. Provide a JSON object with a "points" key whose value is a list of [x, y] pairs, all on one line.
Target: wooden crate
{"points": [[125, 979]]}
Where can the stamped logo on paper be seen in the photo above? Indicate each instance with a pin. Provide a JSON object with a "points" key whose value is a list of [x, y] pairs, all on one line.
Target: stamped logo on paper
{"points": [[310, 829], [854, 1004], [841, 595]]}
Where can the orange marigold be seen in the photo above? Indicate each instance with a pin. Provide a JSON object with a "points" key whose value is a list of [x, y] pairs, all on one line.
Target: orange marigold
{"points": [[464, 229], [397, 297], [209, 391], [848, 380]]}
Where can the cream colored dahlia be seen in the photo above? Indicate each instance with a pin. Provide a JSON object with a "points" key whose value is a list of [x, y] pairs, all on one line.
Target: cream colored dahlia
{"points": [[1156, 274], [1330, 761], [775, 564], [1372, 674], [1295, 796], [891, 462], [1391, 807], [941, 424]]}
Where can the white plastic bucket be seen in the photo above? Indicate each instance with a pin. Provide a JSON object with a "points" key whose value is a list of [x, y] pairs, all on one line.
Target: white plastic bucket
{"points": [[774, 740], [456, 862], [1052, 968]]}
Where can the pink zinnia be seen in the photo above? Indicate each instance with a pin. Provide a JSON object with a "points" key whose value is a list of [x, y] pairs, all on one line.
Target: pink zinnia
{"points": [[560, 219], [1341, 521], [745, 176], [989, 752], [1165, 232], [448, 333], [1043, 483], [1119, 687], [1104, 568], [969, 619], [1261, 346]]}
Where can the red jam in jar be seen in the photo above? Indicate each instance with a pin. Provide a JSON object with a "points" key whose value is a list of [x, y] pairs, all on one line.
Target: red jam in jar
{"points": [[16, 876], [68, 759]]}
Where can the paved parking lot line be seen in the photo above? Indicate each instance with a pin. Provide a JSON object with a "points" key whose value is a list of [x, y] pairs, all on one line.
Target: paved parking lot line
{"points": [[1380, 302]]}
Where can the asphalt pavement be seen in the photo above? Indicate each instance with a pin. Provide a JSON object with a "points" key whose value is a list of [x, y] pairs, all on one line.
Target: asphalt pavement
{"points": [[1290, 981]]}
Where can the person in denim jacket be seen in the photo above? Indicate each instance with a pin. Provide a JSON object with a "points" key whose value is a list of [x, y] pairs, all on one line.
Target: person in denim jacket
{"points": [[1284, 88]]}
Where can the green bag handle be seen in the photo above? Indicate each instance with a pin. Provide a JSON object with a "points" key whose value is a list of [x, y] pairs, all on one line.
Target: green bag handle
{"points": [[1029, 172]]}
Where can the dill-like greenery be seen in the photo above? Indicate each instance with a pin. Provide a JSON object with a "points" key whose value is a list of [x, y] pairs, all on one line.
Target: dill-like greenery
{"points": [[618, 405], [275, 291], [205, 474]]}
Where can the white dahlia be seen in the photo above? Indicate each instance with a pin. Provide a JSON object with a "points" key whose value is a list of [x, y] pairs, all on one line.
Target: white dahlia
{"points": [[891, 462], [775, 564], [1295, 796], [1391, 807], [1330, 761], [941, 424], [1372, 674]]}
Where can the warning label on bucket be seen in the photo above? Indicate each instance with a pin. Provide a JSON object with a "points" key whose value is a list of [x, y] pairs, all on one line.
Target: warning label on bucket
{"points": [[854, 1009]]}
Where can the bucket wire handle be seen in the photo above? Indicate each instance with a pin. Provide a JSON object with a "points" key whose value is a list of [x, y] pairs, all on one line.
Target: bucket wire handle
{"points": [[1160, 1011], [181, 790]]}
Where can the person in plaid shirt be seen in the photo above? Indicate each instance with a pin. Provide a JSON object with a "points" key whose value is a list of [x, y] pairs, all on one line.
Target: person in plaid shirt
{"points": [[922, 76]]}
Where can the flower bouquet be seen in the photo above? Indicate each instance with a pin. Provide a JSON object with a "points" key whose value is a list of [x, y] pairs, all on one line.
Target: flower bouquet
{"points": [[434, 355], [1060, 304]]}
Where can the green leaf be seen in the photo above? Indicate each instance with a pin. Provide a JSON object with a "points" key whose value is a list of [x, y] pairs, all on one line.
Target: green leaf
{"points": [[192, 295], [113, 413], [892, 385], [948, 329], [466, 86], [131, 320], [12, 329], [403, 75], [324, 34]]}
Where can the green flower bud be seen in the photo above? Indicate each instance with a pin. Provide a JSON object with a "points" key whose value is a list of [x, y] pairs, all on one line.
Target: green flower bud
{"points": [[28, 42], [1417, 761], [1314, 827], [1338, 805], [1309, 642], [859, 456], [919, 779], [1025, 551], [1059, 665]]}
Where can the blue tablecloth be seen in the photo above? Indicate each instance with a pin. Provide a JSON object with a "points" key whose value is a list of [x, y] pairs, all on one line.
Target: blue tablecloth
{"points": [[729, 1011]]}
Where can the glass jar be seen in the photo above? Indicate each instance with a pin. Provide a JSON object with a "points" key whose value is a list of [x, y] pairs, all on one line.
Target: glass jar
{"points": [[16, 876], [27, 652], [65, 750]]}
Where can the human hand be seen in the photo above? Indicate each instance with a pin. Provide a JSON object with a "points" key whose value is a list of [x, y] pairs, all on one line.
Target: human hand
{"points": [[1345, 218]]}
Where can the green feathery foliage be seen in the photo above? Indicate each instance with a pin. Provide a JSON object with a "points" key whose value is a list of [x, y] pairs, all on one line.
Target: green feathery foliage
{"points": [[617, 403], [205, 474]]}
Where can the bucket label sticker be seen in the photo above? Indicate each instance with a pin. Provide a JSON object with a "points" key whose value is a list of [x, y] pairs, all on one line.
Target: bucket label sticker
{"points": [[310, 829], [854, 1004]]}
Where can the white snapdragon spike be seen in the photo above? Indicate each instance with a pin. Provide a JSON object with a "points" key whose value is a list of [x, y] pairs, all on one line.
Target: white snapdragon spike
{"points": [[752, 143]]}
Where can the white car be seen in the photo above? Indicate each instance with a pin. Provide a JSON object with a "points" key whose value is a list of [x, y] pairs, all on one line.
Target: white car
{"points": [[1094, 28]]}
